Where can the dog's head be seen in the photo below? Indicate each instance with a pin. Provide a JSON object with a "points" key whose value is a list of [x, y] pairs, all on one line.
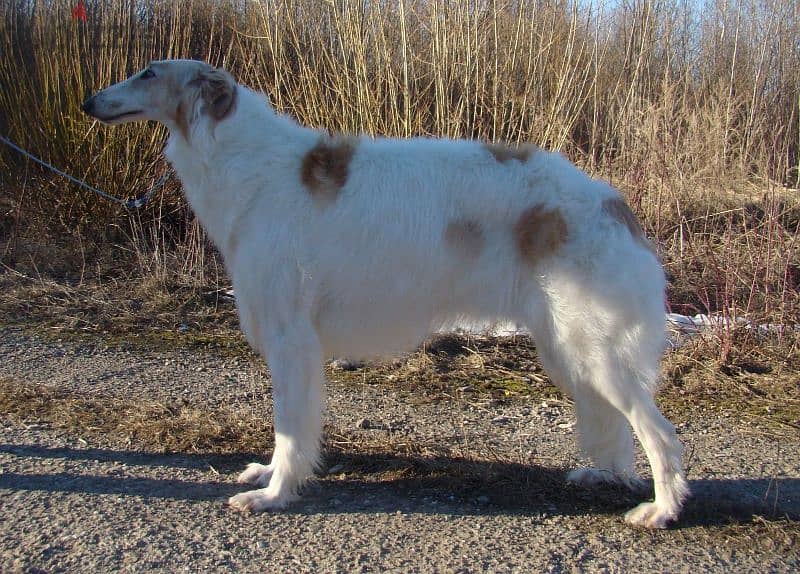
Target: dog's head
{"points": [[175, 93]]}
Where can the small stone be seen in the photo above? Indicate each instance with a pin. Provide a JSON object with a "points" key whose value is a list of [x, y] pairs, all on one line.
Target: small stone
{"points": [[363, 424], [346, 364]]}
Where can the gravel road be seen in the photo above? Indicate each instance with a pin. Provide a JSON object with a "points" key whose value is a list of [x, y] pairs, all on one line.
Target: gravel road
{"points": [[75, 502]]}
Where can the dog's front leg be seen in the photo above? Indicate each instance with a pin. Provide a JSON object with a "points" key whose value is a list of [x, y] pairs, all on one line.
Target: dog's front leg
{"points": [[294, 356]]}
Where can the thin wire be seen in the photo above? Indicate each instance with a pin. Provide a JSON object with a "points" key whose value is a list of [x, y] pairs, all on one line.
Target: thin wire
{"points": [[129, 203]]}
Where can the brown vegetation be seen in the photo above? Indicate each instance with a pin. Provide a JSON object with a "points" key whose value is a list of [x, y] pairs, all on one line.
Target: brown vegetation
{"points": [[694, 114]]}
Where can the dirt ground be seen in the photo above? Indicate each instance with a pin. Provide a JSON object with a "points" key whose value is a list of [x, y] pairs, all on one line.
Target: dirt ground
{"points": [[119, 457]]}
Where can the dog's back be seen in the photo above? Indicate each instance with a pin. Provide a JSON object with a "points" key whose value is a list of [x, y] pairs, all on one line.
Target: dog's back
{"points": [[407, 234]]}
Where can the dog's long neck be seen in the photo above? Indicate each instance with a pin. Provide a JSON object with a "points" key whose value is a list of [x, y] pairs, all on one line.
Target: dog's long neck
{"points": [[218, 163]]}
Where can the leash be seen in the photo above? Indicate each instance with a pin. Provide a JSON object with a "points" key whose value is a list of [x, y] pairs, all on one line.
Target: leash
{"points": [[135, 203]]}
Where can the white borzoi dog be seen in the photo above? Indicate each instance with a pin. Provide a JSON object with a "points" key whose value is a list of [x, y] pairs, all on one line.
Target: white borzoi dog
{"points": [[359, 247]]}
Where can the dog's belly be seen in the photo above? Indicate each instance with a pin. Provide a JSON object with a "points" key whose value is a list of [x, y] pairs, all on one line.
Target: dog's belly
{"points": [[372, 330], [374, 316]]}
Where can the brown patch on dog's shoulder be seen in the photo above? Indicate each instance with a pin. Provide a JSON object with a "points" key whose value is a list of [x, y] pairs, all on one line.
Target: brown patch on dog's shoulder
{"points": [[325, 167], [465, 236], [504, 153], [616, 208], [539, 232]]}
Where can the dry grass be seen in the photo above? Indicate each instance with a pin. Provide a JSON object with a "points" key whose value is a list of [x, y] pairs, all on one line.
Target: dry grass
{"points": [[695, 117], [144, 424], [117, 306], [646, 92], [758, 383]]}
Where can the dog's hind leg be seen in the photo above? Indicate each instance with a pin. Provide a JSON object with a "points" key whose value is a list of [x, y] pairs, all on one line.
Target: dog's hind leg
{"points": [[661, 446], [607, 439], [607, 360], [604, 432], [256, 474], [295, 361]]}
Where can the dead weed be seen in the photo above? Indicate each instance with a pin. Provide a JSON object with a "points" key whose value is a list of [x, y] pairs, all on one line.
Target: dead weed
{"points": [[178, 427]]}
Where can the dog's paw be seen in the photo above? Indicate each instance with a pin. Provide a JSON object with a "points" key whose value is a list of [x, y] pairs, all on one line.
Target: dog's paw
{"points": [[256, 474], [259, 501], [649, 515], [593, 477]]}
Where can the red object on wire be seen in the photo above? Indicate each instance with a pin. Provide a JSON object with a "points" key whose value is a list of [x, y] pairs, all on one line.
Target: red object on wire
{"points": [[79, 12]]}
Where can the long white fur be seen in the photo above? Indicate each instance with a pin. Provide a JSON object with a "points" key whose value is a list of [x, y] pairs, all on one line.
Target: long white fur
{"points": [[368, 274]]}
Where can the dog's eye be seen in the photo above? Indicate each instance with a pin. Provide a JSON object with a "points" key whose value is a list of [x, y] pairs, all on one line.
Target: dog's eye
{"points": [[147, 74]]}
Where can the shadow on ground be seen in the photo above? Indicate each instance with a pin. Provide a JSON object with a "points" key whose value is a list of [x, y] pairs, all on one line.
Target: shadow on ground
{"points": [[371, 483]]}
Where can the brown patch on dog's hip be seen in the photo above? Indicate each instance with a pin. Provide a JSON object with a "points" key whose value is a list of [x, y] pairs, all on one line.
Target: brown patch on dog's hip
{"points": [[539, 232], [618, 210], [504, 153]]}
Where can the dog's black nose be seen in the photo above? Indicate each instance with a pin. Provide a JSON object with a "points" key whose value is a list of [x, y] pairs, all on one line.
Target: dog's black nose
{"points": [[88, 105]]}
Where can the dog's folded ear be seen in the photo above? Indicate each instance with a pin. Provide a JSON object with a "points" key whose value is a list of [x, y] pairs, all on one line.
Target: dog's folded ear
{"points": [[218, 90]]}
